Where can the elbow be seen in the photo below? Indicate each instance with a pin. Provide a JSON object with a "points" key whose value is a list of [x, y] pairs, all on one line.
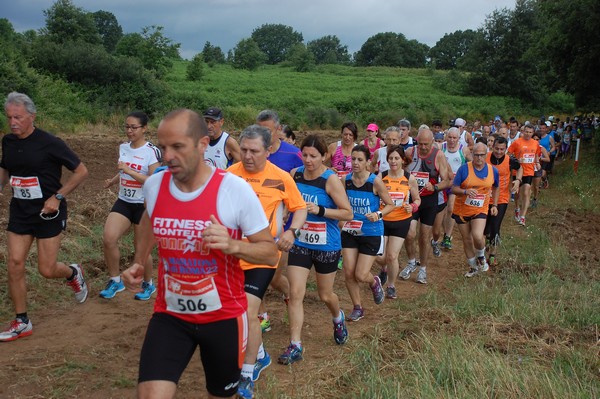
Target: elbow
{"points": [[348, 215]]}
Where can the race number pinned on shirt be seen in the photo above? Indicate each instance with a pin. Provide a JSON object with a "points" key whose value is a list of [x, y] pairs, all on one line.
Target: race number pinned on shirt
{"points": [[528, 158], [191, 297], [397, 198], [313, 233], [131, 189], [26, 188], [476, 201], [353, 227], [342, 174], [422, 178]]}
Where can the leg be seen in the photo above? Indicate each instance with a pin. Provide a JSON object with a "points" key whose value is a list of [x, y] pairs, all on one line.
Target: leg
{"points": [[254, 331], [116, 225], [156, 390], [424, 243], [448, 220], [297, 277], [525, 197], [18, 248], [47, 255], [465, 233], [477, 227], [362, 272], [280, 281], [326, 294], [350, 258], [392, 250], [148, 266], [411, 238]]}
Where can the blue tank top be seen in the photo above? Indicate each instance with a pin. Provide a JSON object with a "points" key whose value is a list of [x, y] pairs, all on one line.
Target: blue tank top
{"points": [[363, 201], [545, 142], [318, 233]]}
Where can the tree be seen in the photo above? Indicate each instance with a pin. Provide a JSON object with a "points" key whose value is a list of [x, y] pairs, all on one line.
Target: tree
{"points": [[109, 29], [151, 47], [247, 55], [66, 22], [329, 50], [195, 69], [212, 54], [15, 74], [450, 49], [301, 59], [392, 49], [276, 40]]}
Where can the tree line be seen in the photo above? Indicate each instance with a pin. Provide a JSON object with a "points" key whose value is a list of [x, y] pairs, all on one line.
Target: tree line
{"points": [[539, 49]]}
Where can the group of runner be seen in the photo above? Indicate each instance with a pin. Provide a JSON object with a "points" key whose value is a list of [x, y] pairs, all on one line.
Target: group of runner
{"points": [[222, 240]]}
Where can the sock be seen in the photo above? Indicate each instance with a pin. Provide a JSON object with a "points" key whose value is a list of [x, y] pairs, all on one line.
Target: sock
{"points": [[247, 370], [297, 344], [338, 319], [264, 315], [472, 262], [422, 267], [23, 317], [480, 252], [261, 352], [72, 275], [412, 261], [149, 281], [116, 279]]}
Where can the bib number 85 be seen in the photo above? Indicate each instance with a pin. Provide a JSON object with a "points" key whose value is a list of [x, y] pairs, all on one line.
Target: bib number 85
{"points": [[190, 305]]}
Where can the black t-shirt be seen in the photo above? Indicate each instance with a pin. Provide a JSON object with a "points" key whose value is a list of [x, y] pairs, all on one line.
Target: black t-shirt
{"points": [[40, 155]]}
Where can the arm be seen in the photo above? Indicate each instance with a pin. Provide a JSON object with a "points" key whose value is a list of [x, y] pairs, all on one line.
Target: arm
{"points": [[494, 206], [78, 176], [133, 276], [445, 173], [233, 149], [335, 189], [330, 150], [3, 178], [380, 189], [414, 195], [140, 177], [467, 153], [374, 162], [287, 238], [109, 182]]}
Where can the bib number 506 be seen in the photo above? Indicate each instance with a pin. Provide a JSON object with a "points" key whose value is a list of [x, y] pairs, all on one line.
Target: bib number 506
{"points": [[191, 305]]}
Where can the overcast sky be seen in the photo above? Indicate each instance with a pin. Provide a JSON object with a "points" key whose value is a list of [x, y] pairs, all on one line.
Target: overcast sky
{"points": [[226, 22]]}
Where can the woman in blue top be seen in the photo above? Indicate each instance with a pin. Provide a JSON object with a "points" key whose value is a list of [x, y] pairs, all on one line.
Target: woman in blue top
{"points": [[362, 237], [318, 243]]}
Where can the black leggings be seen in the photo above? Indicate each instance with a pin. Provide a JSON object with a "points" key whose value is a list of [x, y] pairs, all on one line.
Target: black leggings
{"points": [[493, 223]]}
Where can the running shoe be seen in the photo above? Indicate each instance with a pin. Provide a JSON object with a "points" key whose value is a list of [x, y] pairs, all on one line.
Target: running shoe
{"points": [[340, 332], [17, 329], [435, 246], [517, 215], [383, 276], [77, 284], [533, 203], [112, 288], [492, 260], [447, 242], [422, 276], [340, 263], [482, 265], [473, 271], [291, 355], [260, 365], [377, 289], [357, 313], [390, 292], [265, 323], [405, 273], [522, 221], [147, 290], [245, 388]]}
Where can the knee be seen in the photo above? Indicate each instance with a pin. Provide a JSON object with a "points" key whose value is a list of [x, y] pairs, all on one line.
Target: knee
{"points": [[326, 296], [16, 268], [47, 270], [109, 240], [362, 277], [391, 258]]}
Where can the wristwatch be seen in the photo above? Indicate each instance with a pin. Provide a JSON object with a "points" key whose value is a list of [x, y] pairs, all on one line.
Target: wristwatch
{"points": [[59, 196], [380, 215], [295, 231]]}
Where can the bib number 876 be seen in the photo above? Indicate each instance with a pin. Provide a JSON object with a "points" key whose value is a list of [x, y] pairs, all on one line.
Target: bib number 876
{"points": [[190, 305]]}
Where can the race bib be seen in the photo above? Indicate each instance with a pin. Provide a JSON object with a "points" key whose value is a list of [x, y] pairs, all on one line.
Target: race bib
{"points": [[422, 178], [353, 227], [26, 188], [397, 198], [191, 297], [131, 189], [313, 233], [476, 201], [528, 158], [342, 174]]}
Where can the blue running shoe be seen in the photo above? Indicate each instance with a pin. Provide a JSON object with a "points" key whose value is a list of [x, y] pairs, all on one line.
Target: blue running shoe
{"points": [[147, 290], [292, 354], [245, 388], [340, 332], [260, 365], [112, 288]]}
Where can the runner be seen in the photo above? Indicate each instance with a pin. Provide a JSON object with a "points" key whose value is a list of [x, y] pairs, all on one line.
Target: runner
{"points": [[379, 162], [223, 150], [373, 141], [528, 152], [538, 174], [465, 137], [137, 160], [339, 155], [406, 141], [404, 192], [197, 215], [276, 191], [430, 168], [32, 162], [456, 154], [362, 237], [472, 186], [317, 244], [505, 165]]}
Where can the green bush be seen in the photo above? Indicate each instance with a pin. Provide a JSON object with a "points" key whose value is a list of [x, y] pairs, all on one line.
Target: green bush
{"points": [[195, 69]]}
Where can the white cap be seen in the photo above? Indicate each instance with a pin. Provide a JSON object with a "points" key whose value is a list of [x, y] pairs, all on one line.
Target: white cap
{"points": [[460, 122]]}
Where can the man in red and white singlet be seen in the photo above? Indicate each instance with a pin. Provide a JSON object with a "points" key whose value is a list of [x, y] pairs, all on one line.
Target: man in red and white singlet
{"points": [[197, 215]]}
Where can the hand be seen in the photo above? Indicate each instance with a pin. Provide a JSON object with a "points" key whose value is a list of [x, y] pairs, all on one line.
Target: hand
{"points": [[51, 205], [407, 207], [107, 183], [124, 168], [312, 208], [471, 192], [286, 240], [133, 277], [494, 211], [216, 236], [373, 217], [428, 186], [515, 187]]}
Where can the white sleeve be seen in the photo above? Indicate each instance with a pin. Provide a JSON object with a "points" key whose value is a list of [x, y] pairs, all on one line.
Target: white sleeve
{"points": [[239, 207], [150, 189]]}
